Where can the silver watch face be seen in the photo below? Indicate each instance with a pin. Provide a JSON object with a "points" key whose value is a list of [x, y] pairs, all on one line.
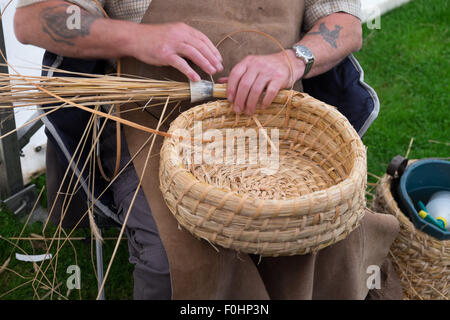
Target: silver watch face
{"points": [[303, 52], [306, 55]]}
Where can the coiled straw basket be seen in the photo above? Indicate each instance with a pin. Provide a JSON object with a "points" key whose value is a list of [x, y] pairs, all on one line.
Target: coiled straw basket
{"points": [[314, 199], [421, 261]]}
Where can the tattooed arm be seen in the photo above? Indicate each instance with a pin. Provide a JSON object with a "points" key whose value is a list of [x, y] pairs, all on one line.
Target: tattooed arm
{"points": [[50, 25], [54, 25], [331, 40]]}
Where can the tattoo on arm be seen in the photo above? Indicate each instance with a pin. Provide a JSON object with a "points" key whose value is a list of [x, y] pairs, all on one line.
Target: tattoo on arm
{"points": [[327, 35], [54, 23]]}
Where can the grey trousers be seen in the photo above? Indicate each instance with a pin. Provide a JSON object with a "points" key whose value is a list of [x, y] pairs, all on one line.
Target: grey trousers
{"points": [[151, 272], [147, 253]]}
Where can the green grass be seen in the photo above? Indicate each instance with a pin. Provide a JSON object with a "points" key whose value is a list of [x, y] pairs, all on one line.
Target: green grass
{"points": [[407, 63], [119, 285]]}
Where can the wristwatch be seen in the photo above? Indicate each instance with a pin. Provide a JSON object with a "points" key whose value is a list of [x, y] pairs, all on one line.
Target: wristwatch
{"points": [[306, 55]]}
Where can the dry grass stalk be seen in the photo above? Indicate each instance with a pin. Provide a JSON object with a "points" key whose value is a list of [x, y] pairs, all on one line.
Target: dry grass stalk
{"points": [[439, 142], [5, 265], [41, 238], [93, 226], [67, 238], [52, 290], [409, 148]]}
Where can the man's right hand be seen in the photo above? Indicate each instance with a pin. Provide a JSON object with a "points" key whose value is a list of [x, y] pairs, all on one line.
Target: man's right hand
{"points": [[44, 24], [170, 44]]}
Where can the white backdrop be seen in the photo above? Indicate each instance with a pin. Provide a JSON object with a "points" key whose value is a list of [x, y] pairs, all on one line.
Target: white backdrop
{"points": [[23, 57]]}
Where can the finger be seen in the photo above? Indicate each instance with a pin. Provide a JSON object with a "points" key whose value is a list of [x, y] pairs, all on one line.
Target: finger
{"points": [[209, 44], [203, 48], [234, 78], [256, 92], [188, 51], [244, 87], [223, 80], [272, 90], [180, 64]]}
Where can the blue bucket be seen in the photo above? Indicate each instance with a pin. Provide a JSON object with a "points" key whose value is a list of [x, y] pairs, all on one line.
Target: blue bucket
{"points": [[419, 182]]}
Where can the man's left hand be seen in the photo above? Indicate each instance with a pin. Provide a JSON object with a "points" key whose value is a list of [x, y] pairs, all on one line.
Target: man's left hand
{"points": [[254, 74]]}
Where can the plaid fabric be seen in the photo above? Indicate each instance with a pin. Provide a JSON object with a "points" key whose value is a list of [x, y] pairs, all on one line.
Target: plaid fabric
{"points": [[134, 10], [317, 9], [131, 10]]}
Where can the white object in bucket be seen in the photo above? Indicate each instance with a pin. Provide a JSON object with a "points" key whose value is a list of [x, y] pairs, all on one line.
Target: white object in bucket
{"points": [[439, 207]]}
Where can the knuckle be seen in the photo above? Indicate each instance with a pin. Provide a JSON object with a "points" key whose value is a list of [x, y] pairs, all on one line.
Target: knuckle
{"points": [[259, 63], [278, 74], [187, 49], [240, 68], [234, 73], [171, 61], [165, 51], [178, 29]]}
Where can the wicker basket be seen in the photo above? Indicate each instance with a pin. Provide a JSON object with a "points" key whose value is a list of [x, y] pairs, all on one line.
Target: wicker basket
{"points": [[422, 262], [316, 198]]}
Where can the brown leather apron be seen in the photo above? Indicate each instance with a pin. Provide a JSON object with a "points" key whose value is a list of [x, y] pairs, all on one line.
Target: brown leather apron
{"points": [[197, 270], [219, 18]]}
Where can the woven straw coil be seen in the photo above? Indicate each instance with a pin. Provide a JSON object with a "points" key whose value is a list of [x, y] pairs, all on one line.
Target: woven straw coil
{"points": [[316, 198], [421, 261]]}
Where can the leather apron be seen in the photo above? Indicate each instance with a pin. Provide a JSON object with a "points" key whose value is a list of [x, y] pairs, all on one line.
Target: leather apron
{"points": [[197, 270]]}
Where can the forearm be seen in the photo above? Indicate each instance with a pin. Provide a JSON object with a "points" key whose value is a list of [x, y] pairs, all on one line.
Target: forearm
{"points": [[48, 25], [331, 40]]}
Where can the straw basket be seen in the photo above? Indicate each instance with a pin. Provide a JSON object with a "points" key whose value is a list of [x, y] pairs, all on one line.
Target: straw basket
{"points": [[422, 262], [314, 199]]}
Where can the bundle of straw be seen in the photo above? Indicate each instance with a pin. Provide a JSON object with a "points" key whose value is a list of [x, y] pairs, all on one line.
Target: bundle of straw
{"points": [[84, 90], [87, 90]]}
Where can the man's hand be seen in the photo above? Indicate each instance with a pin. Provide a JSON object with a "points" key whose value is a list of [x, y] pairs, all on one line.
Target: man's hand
{"points": [[169, 44], [255, 74], [331, 39]]}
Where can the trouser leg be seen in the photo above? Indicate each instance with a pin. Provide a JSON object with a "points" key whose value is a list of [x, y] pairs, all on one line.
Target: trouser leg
{"points": [[147, 253], [151, 272], [71, 201]]}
